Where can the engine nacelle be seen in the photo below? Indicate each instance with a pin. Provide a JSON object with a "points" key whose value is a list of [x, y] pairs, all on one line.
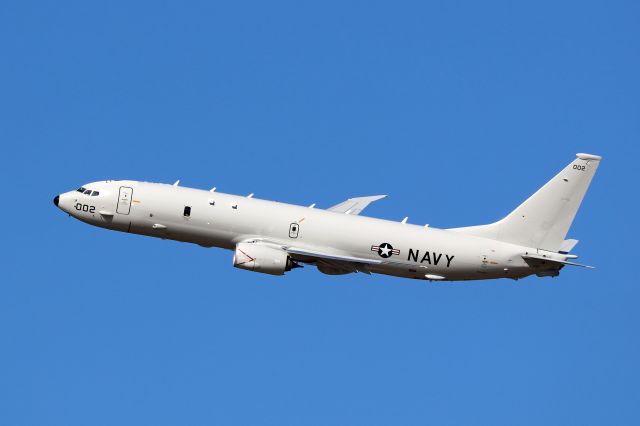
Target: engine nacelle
{"points": [[259, 257]]}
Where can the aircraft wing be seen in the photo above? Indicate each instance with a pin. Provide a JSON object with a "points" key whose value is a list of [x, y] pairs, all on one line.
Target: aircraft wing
{"points": [[354, 205], [337, 261]]}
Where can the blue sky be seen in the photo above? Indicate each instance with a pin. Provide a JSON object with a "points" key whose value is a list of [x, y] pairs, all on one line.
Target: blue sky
{"points": [[457, 110]]}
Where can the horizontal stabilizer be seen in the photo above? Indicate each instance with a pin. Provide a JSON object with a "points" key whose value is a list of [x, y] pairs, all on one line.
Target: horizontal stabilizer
{"points": [[355, 205], [537, 259]]}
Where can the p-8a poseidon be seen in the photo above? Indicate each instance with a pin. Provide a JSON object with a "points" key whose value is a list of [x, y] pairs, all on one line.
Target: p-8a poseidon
{"points": [[274, 238]]}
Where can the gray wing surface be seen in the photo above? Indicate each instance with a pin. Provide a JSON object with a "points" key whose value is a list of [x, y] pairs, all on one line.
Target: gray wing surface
{"points": [[355, 205], [336, 261]]}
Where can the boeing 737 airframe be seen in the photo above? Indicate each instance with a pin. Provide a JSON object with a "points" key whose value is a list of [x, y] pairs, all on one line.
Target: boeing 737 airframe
{"points": [[273, 238]]}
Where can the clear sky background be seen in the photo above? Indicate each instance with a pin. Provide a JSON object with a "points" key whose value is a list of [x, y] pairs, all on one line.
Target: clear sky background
{"points": [[458, 110]]}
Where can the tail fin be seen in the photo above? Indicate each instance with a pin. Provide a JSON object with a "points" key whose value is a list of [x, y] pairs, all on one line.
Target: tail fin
{"points": [[543, 220]]}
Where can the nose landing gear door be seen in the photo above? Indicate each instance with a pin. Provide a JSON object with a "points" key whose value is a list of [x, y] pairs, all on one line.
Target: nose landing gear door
{"points": [[124, 200]]}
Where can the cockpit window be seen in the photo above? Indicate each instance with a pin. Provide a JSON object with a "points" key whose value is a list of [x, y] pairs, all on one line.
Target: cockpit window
{"points": [[81, 189], [95, 193], [87, 192]]}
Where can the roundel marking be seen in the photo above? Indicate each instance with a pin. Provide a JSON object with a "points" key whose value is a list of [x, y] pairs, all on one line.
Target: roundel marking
{"points": [[385, 250]]}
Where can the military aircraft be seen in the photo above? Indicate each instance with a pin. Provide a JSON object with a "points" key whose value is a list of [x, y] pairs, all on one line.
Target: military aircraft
{"points": [[273, 238]]}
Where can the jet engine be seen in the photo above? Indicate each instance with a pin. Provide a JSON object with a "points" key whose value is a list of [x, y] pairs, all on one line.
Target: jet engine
{"points": [[258, 257]]}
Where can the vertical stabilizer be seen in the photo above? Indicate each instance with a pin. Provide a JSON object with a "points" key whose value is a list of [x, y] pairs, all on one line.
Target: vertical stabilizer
{"points": [[543, 220]]}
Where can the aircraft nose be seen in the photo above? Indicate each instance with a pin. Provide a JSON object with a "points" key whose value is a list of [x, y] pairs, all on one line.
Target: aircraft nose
{"points": [[56, 200]]}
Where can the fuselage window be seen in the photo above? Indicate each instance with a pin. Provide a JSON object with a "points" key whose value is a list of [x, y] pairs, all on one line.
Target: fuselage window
{"points": [[95, 193], [187, 211]]}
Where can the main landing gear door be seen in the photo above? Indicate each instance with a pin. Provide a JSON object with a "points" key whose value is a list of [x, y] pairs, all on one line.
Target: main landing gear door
{"points": [[124, 200]]}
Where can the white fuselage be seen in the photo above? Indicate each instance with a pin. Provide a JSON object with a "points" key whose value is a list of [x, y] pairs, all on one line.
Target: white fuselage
{"points": [[213, 219]]}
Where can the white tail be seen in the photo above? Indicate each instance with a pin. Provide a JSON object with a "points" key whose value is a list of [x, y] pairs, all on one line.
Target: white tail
{"points": [[543, 220]]}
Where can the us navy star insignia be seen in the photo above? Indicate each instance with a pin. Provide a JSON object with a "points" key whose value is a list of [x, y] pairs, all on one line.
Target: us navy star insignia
{"points": [[385, 250]]}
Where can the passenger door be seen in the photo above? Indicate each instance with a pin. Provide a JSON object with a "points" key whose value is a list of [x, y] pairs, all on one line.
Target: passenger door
{"points": [[124, 200]]}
